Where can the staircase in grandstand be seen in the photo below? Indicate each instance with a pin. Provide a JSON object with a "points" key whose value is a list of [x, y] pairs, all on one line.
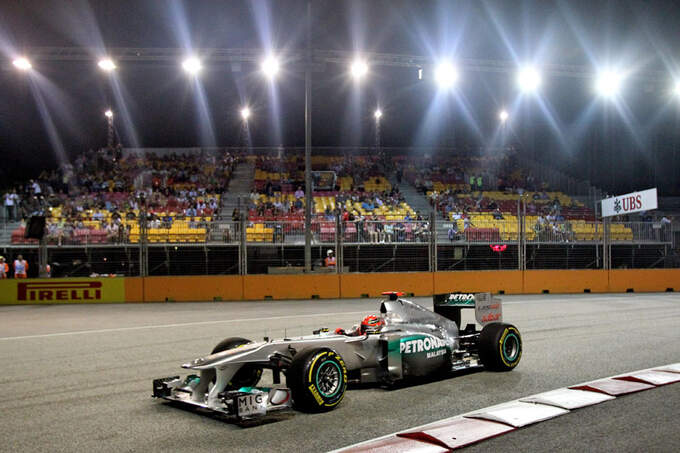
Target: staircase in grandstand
{"points": [[239, 187], [6, 229]]}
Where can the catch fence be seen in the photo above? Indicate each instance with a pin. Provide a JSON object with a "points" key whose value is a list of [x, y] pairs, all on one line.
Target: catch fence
{"points": [[277, 247]]}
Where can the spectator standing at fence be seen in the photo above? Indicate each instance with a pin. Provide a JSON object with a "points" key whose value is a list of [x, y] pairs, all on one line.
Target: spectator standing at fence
{"points": [[20, 267], [11, 202], [453, 232], [388, 232], [4, 268]]}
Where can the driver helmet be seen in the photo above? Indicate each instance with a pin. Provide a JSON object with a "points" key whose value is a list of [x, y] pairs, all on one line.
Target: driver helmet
{"points": [[371, 324]]}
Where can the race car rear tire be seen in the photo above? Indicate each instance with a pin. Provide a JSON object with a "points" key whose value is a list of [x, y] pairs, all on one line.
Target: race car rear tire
{"points": [[247, 376], [500, 346], [317, 379]]}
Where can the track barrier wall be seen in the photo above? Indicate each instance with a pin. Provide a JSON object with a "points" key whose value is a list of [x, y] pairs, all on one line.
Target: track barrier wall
{"points": [[331, 286]]}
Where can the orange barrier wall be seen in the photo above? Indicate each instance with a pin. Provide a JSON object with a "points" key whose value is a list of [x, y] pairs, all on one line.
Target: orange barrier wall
{"points": [[258, 287], [641, 280], [360, 285], [565, 281], [203, 288], [134, 289], [330, 286]]}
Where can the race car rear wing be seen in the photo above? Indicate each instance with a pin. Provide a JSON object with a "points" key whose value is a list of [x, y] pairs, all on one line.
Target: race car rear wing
{"points": [[487, 308]]}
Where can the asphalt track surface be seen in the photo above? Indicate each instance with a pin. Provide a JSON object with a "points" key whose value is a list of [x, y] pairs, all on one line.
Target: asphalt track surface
{"points": [[78, 377]]}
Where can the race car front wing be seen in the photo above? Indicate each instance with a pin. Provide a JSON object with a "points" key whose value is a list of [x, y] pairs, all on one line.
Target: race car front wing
{"points": [[241, 404]]}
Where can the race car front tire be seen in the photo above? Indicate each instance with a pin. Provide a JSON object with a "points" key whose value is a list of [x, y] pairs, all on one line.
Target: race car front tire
{"points": [[317, 379], [247, 376], [500, 346]]}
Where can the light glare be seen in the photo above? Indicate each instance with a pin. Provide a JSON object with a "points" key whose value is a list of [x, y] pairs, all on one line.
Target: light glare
{"points": [[358, 69], [192, 65], [270, 66], [245, 113], [446, 75], [378, 114], [107, 64], [608, 83], [22, 63], [108, 114], [528, 79], [503, 115], [676, 89]]}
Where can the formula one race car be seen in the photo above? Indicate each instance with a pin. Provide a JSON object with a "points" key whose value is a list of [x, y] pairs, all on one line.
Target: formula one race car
{"points": [[405, 341]]}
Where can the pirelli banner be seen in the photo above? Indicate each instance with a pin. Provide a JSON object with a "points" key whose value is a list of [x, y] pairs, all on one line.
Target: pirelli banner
{"points": [[62, 291]]}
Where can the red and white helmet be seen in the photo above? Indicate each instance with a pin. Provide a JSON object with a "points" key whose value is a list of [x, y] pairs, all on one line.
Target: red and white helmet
{"points": [[372, 324]]}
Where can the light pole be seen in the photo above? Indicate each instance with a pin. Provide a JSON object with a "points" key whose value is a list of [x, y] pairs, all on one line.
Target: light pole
{"points": [[308, 143]]}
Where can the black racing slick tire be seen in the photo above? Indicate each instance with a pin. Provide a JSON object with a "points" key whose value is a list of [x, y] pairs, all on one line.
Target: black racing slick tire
{"points": [[500, 346], [317, 379], [247, 376]]}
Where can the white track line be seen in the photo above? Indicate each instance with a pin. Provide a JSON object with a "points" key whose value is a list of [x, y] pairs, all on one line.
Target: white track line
{"points": [[163, 326]]}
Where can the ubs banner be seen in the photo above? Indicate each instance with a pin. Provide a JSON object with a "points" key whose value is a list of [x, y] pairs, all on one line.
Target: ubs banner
{"points": [[62, 291], [629, 203]]}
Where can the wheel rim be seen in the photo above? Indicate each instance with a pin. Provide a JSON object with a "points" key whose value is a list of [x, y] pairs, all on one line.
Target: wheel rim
{"points": [[511, 347], [328, 378]]}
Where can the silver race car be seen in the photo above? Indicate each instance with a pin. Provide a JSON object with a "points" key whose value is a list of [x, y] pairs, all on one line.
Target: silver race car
{"points": [[405, 341]]}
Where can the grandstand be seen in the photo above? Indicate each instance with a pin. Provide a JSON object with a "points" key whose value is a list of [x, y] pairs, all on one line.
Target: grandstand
{"points": [[381, 218]]}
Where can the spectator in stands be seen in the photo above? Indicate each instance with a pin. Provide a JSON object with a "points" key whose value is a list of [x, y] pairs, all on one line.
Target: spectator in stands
{"points": [[299, 193], [4, 268], [20, 267], [330, 259], [497, 214]]}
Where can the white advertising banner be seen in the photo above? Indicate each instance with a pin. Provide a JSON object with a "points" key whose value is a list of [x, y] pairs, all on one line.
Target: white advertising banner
{"points": [[629, 203]]}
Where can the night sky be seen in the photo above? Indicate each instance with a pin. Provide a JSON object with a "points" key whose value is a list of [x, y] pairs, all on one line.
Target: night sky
{"points": [[621, 146]]}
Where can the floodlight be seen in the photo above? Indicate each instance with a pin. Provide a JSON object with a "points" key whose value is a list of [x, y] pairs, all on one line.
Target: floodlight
{"points": [[378, 114], [192, 65], [107, 64], [108, 114], [446, 75], [676, 89], [503, 115], [270, 66], [245, 113], [22, 63], [608, 83], [528, 79], [358, 69]]}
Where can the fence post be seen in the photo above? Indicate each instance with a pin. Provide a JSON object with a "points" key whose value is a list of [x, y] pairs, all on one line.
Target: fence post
{"points": [[519, 234], [242, 247], [433, 242], [339, 258], [143, 255]]}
